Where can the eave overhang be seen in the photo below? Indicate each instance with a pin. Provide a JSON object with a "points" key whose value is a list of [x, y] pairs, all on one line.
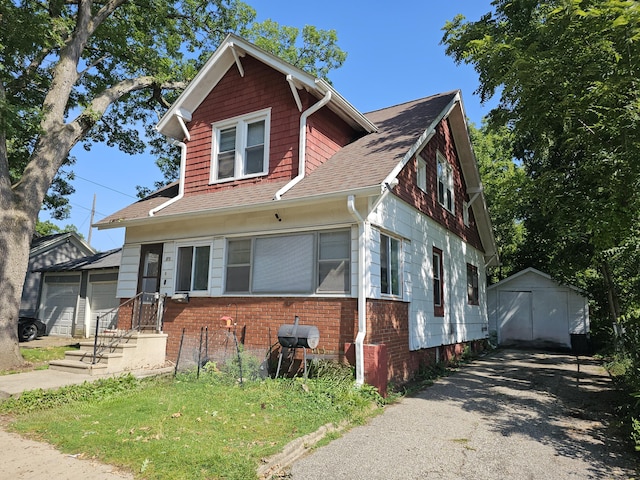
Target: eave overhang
{"points": [[228, 55], [368, 191]]}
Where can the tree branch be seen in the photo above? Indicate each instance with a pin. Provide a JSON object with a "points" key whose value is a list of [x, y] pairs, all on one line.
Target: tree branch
{"points": [[99, 105], [103, 14]]}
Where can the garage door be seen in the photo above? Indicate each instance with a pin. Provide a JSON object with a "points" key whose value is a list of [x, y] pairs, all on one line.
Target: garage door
{"points": [[102, 301], [515, 322], [60, 298]]}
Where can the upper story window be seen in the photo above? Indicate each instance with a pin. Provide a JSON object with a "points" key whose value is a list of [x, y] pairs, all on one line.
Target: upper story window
{"points": [[192, 268], [302, 263], [472, 285], [438, 284], [240, 147], [389, 265], [421, 174], [445, 183]]}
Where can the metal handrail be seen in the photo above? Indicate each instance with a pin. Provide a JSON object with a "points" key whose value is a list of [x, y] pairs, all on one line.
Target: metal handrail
{"points": [[137, 300]]}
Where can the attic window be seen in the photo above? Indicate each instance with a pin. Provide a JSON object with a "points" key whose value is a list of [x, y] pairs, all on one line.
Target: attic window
{"points": [[421, 174], [240, 147], [445, 183]]}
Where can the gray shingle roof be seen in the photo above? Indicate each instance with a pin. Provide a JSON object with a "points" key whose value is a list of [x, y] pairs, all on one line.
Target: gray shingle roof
{"points": [[364, 163]]}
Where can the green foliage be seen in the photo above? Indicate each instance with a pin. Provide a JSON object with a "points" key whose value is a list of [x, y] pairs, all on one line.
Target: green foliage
{"points": [[42, 355], [566, 74], [166, 41], [504, 180], [49, 228], [191, 427], [624, 367], [37, 400]]}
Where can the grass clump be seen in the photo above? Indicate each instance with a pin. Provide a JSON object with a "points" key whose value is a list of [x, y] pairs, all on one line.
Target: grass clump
{"points": [[189, 427]]}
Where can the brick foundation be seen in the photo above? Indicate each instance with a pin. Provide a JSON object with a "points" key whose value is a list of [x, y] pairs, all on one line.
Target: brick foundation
{"points": [[258, 320]]}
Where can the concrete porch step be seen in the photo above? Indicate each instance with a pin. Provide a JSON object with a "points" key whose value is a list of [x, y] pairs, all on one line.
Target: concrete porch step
{"points": [[74, 366], [87, 347], [87, 356]]}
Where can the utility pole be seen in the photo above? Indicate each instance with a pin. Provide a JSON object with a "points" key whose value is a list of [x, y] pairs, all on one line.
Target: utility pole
{"points": [[93, 211]]}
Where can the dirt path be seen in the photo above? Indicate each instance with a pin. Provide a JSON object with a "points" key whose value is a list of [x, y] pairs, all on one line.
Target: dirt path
{"points": [[509, 415]]}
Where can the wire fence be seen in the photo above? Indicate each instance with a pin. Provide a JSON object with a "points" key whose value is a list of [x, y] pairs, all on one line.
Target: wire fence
{"points": [[221, 349]]}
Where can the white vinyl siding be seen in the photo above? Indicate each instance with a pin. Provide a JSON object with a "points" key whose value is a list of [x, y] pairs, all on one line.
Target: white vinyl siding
{"points": [[461, 321]]}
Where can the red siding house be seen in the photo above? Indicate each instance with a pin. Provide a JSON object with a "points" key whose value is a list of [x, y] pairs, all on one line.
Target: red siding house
{"points": [[372, 227]]}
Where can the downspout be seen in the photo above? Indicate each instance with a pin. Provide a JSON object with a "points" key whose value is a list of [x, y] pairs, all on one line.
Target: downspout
{"points": [[302, 147], [362, 300], [183, 161]]}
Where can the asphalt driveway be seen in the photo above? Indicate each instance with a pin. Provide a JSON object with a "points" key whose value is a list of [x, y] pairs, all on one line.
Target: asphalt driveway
{"points": [[508, 415]]}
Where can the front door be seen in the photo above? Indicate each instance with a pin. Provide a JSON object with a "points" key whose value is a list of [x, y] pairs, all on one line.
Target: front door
{"points": [[150, 268], [145, 314]]}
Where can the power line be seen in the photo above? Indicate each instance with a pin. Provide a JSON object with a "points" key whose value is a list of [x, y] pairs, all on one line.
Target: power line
{"points": [[104, 186], [85, 208]]}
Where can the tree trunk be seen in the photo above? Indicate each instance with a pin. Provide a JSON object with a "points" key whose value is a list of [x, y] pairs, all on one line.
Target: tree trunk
{"points": [[16, 229], [612, 296]]}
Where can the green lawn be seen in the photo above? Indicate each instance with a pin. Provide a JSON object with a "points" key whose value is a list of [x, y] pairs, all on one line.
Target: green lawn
{"points": [[186, 427], [39, 358]]}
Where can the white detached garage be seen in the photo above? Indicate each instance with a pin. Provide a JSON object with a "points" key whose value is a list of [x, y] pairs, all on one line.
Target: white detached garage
{"points": [[531, 309]]}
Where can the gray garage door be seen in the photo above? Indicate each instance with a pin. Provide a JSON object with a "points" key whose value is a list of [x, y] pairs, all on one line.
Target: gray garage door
{"points": [[58, 307], [102, 300]]}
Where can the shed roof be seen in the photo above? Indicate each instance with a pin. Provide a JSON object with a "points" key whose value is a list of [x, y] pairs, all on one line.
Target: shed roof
{"points": [[530, 270], [101, 260]]}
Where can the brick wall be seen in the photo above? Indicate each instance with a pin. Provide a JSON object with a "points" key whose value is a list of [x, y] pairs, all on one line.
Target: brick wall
{"points": [[258, 321], [427, 202]]}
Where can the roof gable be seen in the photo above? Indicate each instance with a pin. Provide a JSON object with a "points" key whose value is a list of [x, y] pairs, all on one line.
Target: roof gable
{"points": [[530, 271], [101, 260], [228, 55], [40, 245]]}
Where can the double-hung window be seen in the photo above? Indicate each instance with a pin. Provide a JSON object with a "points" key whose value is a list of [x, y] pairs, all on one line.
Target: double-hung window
{"points": [[472, 284], [240, 147], [445, 183], [438, 282], [389, 265], [302, 263], [192, 268], [421, 174]]}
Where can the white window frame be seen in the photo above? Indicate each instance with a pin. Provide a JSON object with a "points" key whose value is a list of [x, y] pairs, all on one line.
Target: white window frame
{"points": [[241, 124], [386, 243], [444, 172], [421, 174], [314, 273], [194, 246]]}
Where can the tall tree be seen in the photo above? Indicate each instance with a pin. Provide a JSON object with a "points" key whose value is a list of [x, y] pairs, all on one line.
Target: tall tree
{"points": [[566, 72], [75, 71], [503, 180]]}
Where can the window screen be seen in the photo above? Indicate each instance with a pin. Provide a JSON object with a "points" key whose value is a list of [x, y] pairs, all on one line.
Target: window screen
{"points": [[333, 262], [284, 264]]}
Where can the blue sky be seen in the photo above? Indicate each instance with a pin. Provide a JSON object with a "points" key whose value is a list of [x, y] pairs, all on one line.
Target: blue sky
{"points": [[394, 56]]}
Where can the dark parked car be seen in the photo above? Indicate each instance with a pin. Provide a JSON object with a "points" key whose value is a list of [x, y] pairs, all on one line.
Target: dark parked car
{"points": [[30, 328]]}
